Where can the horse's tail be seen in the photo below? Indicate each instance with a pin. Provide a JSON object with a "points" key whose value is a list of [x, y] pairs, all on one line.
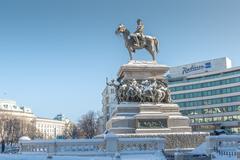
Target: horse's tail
{"points": [[156, 43]]}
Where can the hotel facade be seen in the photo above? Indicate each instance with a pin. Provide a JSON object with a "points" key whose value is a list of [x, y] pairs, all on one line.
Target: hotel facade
{"points": [[208, 92]]}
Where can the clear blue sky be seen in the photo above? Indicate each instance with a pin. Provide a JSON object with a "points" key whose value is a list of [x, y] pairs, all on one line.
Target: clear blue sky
{"points": [[56, 54]]}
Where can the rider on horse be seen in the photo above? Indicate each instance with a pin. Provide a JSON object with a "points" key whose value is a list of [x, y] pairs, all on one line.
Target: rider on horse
{"points": [[138, 40], [138, 34]]}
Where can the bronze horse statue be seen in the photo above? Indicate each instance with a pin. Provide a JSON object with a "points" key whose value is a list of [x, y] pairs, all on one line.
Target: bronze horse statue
{"points": [[149, 43]]}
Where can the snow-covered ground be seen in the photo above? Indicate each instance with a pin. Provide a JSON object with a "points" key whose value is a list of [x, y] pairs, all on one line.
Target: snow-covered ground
{"points": [[44, 157]]}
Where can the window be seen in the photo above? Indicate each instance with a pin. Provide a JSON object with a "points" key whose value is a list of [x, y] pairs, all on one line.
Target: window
{"points": [[217, 119], [209, 93], [190, 95], [224, 100], [235, 118], [192, 120], [237, 108], [204, 93], [218, 91], [209, 102], [230, 108], [207, 120], [206, 84]]}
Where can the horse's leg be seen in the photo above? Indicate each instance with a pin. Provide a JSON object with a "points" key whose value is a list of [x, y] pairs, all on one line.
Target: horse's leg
{"points": [[150, 48], [130, 54], [153, 52], [156, 43]]}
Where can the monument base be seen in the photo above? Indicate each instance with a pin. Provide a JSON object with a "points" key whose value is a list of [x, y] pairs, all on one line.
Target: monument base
{"points": [[148, 118], [145, 108]]}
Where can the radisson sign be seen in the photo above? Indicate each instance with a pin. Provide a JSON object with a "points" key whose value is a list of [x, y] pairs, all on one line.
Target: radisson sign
{"points": [[195, 68], [200, 67]]}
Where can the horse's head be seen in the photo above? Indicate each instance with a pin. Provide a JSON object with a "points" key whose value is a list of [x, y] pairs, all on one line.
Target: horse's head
{"points": [[120, 29]]}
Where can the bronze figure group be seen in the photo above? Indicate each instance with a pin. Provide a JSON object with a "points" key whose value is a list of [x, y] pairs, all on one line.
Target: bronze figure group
{"points": [[155, 91]]}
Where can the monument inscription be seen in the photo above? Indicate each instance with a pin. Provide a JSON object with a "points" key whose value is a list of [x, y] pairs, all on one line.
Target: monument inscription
{"points": [[152, 123]]}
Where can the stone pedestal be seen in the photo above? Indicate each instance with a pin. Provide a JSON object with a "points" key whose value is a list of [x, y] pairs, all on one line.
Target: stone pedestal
{"points": [[146, 117], [143, 119], [141, 70]]}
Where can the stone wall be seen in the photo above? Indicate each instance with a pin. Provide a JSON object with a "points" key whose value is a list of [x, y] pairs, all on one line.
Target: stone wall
{"points": [[175, 140], [110, 144]]}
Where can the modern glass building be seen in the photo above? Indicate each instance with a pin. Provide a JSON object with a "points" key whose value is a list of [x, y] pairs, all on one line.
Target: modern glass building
{"points": [[208, 93]]}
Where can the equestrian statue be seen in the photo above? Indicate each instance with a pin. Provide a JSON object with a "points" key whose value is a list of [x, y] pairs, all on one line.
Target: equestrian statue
{"points": [[138, 40]]}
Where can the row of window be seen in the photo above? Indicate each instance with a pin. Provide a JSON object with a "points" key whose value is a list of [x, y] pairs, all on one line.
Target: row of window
{"points": [[206, 84], [235, 129], [215, 110], [6, 106], [210, 101], [216, 119], [48, 126], [206, 77], [207, 127], [206, 93], [50, 130], [211, 127]]}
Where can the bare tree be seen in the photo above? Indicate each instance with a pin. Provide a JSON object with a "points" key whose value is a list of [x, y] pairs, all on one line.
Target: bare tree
{"points": [[28, 128], [12, 128], [100, 123], [88, 124], [18, 127], [71, 131], [3, 134]]}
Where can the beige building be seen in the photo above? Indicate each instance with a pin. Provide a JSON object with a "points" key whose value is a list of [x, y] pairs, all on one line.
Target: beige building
{"points": [[9, 107], [49, 128]]}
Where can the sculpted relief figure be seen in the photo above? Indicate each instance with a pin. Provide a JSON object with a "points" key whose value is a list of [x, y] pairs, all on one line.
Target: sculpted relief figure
{"points": [[134, 92], [138, 40], [122, 93], [147, 91], [167, 97], [142, 91], [159, 94]]}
